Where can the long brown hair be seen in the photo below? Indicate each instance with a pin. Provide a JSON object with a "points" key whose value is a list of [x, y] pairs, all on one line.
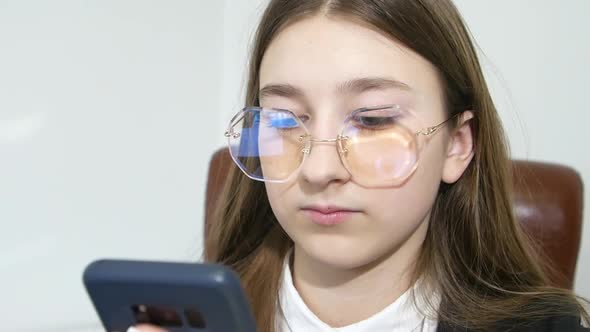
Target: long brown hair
{"points": [[475, 253]]}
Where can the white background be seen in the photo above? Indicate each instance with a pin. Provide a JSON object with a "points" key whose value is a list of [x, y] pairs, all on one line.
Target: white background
{"points": [[110, 110]]}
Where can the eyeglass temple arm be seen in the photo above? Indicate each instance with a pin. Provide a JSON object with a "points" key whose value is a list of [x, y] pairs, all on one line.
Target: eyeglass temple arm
{"points": [[431, 130], [234, 119]]}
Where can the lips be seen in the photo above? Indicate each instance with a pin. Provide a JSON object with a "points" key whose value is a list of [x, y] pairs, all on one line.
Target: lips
{"points": [[328, 215]]}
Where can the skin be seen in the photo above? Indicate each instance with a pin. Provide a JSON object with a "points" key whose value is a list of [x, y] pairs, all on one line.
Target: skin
{"points": [[348, 272]]}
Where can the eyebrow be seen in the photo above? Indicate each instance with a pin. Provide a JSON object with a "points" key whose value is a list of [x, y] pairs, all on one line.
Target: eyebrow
{"points": [[353, 86]]}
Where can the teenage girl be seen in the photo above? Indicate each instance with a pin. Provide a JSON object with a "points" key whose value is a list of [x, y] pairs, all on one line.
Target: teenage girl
{"points": [[372, 189]]}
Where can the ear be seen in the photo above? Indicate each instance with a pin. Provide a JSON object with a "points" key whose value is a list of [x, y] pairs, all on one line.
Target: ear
{"points": [[459, 149]]}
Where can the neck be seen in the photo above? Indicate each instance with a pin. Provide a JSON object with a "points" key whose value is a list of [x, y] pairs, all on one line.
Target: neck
{"points": [[343, 296]]}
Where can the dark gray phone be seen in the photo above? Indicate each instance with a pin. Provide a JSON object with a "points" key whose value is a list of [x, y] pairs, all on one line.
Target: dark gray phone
{"points": [[179, 297]]}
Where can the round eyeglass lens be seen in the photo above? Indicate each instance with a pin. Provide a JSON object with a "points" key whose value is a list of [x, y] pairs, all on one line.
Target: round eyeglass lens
{"points": [[377, 146], [267, 144]]}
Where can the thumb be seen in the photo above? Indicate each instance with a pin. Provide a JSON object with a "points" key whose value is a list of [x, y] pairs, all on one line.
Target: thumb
{"points": [[145, 328]]}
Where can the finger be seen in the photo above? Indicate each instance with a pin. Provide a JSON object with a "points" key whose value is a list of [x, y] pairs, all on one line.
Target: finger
{"points": [[145, 328]]}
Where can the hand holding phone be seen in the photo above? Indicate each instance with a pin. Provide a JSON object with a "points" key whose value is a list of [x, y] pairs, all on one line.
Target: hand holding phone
{"points": [[145, 328], [178, 297]]}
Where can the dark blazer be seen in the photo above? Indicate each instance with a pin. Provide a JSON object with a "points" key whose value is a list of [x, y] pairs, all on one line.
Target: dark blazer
{"points": [[549, 324]]}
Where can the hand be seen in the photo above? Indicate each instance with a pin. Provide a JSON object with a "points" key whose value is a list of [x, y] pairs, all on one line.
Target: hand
{"points": [[145, 328]]}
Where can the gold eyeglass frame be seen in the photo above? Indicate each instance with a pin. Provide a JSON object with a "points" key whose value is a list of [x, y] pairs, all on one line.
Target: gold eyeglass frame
{"points": [[308, 140]]}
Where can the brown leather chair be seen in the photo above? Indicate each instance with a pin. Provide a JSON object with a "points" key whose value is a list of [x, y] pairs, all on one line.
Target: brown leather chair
{"points": [[548, 202]]}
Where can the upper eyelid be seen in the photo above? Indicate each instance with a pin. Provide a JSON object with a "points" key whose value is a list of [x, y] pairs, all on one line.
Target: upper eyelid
{"points": [[347, 115], [295, 112], [285, 109], [378, 107]]}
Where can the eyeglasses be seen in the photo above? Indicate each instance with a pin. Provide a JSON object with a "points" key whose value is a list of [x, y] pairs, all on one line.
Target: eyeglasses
{"points": [[379, 146]]}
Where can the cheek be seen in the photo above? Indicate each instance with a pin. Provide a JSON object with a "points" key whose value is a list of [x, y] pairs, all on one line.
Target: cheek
{"points": [[273, 195], [407, 205], [280, 201], [411, 202]]}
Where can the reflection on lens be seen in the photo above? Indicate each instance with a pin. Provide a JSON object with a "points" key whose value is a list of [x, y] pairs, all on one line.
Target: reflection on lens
{"points": [[380, 157], [267, 144]]}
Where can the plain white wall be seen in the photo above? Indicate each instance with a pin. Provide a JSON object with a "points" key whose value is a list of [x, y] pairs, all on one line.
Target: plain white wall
{"points": [[109, 111], [536, 55], [108, 115]]}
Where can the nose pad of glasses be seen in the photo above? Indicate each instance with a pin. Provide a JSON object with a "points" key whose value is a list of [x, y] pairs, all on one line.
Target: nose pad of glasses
{"points": [[332, 145]]}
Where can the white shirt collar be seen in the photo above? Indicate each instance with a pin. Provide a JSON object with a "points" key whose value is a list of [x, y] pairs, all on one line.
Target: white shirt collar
{"points": [[293, 315]]}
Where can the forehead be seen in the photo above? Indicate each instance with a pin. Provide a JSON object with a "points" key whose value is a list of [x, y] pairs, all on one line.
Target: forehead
{"points": [[317, 54]]}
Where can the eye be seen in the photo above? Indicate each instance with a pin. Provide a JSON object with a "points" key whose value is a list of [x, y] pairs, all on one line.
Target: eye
{"points": [[283, 120], [303, 118], [375, 119]]}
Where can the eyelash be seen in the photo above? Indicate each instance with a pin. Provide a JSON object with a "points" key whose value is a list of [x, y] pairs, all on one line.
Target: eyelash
{"points": [[383, 121], [307, 117], [363, 122]]}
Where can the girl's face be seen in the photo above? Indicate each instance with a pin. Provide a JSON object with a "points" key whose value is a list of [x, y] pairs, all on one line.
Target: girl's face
{"points": [[314, 57]]}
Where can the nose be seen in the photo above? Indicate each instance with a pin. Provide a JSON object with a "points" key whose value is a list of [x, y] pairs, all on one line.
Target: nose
{"points": [[323, 165]]}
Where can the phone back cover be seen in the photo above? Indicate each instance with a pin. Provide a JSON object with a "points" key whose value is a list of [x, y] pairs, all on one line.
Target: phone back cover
{"points": [[115, 285]]}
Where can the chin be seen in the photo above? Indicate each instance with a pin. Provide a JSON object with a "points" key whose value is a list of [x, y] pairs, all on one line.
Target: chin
{"points": [[339, 252]]}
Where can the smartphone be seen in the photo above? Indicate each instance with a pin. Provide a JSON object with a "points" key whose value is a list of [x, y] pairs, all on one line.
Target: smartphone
{"points": [[179, 297]]}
